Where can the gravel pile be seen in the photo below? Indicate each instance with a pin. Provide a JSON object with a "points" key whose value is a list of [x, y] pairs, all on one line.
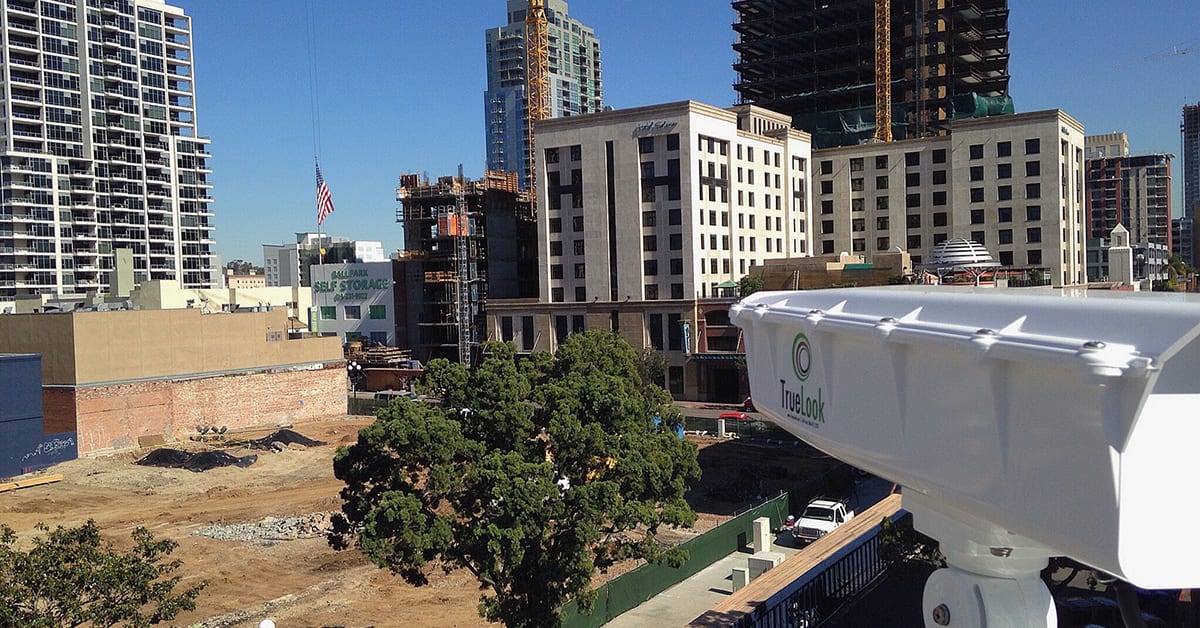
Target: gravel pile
{"points": [[271, 529]]}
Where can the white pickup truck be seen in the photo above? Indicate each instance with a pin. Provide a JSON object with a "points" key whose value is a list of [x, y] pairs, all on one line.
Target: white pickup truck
{"points": [[820, 517]]}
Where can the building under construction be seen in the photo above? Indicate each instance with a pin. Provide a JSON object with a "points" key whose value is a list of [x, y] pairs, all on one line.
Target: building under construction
{"points": [[816, 61], [464, 241]]}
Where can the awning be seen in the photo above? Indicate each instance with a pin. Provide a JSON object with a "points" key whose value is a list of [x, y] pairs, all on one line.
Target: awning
{"points": [[717, 357], [295, 323], [727, 284]]}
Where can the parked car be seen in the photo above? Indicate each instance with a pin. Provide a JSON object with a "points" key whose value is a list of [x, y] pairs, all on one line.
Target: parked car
{"points": [[820, 517], [391, 395]]}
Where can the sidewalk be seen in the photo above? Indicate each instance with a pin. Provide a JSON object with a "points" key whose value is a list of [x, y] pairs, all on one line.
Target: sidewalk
{"points": [[689, 599]]}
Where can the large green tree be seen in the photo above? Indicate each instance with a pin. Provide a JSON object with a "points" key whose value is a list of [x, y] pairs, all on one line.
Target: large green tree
{"points": [[531, 473], [71, 577]]}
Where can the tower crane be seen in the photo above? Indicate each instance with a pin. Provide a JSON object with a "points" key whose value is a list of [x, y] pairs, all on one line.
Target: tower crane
{"points": [[537, 83], [883, 71]]}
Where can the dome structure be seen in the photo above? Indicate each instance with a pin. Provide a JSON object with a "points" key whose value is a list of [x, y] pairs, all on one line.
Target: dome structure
{"points": [[959, 255]]}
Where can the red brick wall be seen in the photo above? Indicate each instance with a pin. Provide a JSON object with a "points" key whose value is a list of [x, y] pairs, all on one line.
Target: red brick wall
{"points": [[114, 417]]}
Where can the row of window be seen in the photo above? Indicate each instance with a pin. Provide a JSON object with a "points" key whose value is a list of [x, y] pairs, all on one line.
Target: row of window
{"points": [[353, 312]]}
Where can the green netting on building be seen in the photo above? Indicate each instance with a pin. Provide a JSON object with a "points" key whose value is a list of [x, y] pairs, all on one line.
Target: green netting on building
{"points": [[973, 105]]}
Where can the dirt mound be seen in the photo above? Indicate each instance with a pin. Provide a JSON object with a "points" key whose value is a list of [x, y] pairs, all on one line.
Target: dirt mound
{"points": [[197, 462], [284, 437]]}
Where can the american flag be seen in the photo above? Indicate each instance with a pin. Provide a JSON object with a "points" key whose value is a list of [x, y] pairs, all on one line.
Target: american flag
{"points": [[324, 200]]}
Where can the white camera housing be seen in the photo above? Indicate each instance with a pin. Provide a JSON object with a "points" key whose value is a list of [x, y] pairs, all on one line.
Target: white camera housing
{"points": [[1065, 422]]}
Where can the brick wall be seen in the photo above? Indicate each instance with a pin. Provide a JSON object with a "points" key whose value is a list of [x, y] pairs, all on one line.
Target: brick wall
{"points": [[115, 416]]}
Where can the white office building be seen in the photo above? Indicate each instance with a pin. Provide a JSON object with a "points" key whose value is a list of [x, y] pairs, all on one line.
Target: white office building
{"points": [[99, 149], [667, 202], [1013, 183]]}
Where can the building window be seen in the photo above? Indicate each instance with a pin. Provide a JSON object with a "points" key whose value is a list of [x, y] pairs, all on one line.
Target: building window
{"points": [[580, 294], [881, 182], [556, 295], [976, 195], [580, 273], [856, 164], [977, 173], [1005, 236], [912, 159], [674, 216], [858, 224], [827, 247], [1004, 214], [676, 265], [527, 333], [856, 204], [978, 236], [1033, 146], [1003, 149], [881, 202], [377, 312], [1006, 258], [827, 166], [1034, 256], [652, 292], [912, 200], [881, 162], [578, 244], [913, 221], [650, 267], [939, 177], [826, 226], [577, 223], [352, 312], [1004, 171], [912, 179], [914, 244], [939, 219], [856, 184], [1033, 234], [556, 225], [1033, 168], [645, 145], [827, 187], [976, 151], [1004, 193], [649, 219], [676, 291], [977, 216], [577, 152], [939, 155], [673, 141], [939, 198], [1033, 190], [555, 248], [556, 271], [882, 243], [1033, 213], [826, 207], [551, 155], [858, 245], [675, 241], [881, 223], [328, 312], [649, 243]]}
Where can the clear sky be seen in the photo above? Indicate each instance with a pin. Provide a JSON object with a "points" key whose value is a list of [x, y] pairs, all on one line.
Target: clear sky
{"points": [[400, 84]]}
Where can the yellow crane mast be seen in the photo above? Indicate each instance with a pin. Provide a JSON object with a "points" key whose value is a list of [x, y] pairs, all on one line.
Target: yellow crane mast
{"points": [[883, 70], [537, 83]]}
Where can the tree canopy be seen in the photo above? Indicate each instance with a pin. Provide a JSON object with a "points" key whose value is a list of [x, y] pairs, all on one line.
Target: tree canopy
{"points": [[749, 284], [71, 577], [532, 473]]}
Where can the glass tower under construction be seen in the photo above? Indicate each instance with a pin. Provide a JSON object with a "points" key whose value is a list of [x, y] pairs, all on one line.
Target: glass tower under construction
{"points": [[815, 60]]}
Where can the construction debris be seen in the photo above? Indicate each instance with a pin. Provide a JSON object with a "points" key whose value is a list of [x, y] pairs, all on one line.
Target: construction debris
{"points": [[45, 479], [271, 529], [194, 461]]}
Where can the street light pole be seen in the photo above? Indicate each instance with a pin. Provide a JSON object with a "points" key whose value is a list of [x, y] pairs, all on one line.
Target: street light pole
{"points": [[354, 373]]}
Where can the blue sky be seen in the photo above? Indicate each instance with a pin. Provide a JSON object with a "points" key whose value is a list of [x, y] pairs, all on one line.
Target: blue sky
{"points": [[400, 89]]}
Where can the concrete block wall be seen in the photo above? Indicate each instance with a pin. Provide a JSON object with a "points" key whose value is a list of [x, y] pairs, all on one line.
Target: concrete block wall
{"points": [[115, 416]]}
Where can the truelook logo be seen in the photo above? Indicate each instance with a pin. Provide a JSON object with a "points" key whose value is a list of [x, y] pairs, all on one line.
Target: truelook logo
{"points": [[801, 356]]}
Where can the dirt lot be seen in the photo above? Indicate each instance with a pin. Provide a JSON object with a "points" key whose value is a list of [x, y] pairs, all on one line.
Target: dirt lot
{"points": [[282, 568]]}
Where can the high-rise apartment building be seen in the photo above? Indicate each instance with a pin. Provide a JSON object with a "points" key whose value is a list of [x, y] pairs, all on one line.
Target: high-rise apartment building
{"points": [[1131, 190], [575, 85], [815, 61], [100, 150], [1012, 183], [1190, 132]]}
